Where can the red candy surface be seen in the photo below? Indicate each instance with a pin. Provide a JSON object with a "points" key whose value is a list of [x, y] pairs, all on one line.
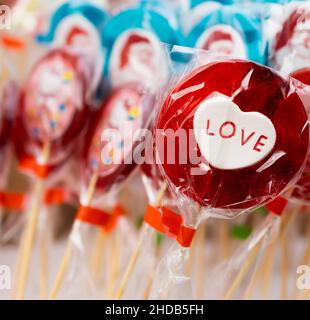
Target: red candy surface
{"points": [[253, 88], [125, 112], [302, 189], [302, 75], [52, 108], [8, 101]]}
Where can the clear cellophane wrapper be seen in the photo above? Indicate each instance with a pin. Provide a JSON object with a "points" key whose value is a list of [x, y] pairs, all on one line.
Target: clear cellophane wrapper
{"points": [[289, 30], [98, 256], [155, 244], [224, 198], [9, 96], [111, 178], [53, 75], [9, 93], [264, 235]]}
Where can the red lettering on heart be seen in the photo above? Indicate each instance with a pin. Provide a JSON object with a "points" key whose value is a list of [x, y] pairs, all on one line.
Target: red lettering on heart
{"points": [[245, 140], [225, 124], [259, 143], [208, 127]]}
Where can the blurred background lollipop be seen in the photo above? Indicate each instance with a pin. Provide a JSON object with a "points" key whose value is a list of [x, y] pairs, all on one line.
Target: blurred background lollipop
{"points": [[50, 118], [77, 26], [111, 156], [136, 55], [289, 51], [133, 40], [234, 31]]}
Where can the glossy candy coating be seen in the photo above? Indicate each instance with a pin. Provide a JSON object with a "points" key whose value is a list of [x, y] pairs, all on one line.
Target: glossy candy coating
{"points": [[253, 88]]}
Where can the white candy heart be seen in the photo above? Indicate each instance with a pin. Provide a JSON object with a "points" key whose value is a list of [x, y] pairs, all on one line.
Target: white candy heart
{"points": [[229, 138]]}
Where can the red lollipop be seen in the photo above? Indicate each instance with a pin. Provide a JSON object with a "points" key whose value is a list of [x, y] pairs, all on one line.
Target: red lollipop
{"points": [[52, 110], [250, 129], [110, 156], [303, 75], [110, 152], [8, 100], [302, 189], [51, 116], [290, 52]]}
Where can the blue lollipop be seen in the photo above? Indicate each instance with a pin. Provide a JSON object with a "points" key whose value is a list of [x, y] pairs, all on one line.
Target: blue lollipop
{"points": [[77, 26], [133, 40], [227, 30]]}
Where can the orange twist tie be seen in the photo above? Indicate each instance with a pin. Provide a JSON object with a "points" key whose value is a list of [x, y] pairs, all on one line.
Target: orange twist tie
{"points": [[100, 218], [17, 200], [57, 196], [28, 163], [169, 223], [117, 212], [13, 42], [93, 216], [12, 201]]}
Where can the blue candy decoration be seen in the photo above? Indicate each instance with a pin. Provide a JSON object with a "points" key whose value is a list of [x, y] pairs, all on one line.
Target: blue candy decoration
{"points": [[92, 13]]}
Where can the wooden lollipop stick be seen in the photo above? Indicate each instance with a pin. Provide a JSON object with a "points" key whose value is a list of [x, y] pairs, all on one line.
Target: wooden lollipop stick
{"points": [[267, 266], [267, 270], [151, 278], [305, 295], [31, 229], [284, 267], [62, 271], [132, 262], [285, 252], [43, 258], [113, 265], [258, 274], [144, 231], [201, 255], [69, 249], [224, 239], [252, 285], [97, 254], [243, 271], [18, 264]]}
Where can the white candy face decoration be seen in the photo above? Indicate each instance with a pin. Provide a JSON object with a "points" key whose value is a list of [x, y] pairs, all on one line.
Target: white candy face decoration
{"points": [[137, 57], [223, 40], [52, 97], [301, 39], [79, 35], [229, 138], [112, 141]]}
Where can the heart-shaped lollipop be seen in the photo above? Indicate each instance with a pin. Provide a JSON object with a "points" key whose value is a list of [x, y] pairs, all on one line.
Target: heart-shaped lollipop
{"points": [[250, 129]]}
